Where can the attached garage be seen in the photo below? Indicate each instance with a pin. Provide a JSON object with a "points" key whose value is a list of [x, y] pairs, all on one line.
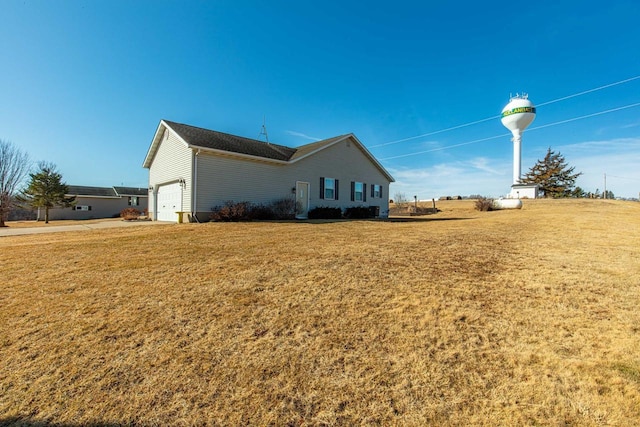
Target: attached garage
{"points": [[168, 202]]}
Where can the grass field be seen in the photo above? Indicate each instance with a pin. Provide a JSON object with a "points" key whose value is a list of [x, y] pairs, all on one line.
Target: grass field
{"points": [[525, 317]]}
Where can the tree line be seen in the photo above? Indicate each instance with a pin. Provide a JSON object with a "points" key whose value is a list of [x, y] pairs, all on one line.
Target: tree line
{"points": [[45, 188]]}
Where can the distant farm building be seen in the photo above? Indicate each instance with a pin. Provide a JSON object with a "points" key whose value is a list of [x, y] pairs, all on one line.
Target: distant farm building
{"points": [[101, 202]]}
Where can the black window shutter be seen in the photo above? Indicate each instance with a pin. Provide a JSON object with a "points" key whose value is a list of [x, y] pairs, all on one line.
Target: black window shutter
{"points": [[381, 191], [372, 188], [353, 191], [321, 187], [336, 188], [364, 192]]}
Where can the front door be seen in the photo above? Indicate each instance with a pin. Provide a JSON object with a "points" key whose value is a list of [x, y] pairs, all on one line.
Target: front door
{"points": [[302, 199]]}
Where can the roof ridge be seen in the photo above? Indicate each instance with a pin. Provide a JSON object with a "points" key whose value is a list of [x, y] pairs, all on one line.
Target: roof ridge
{"points": [[228, 134]]}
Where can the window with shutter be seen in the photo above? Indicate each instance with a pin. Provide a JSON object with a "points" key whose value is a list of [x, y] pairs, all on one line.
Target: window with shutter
{"points": [[328, 188], [358, 192]]}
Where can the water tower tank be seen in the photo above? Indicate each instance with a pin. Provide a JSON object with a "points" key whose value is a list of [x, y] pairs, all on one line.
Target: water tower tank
{"points": [[516, 116]]}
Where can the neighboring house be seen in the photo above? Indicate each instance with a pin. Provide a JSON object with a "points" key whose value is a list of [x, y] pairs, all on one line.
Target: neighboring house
{"points": [[101, 202], [192, 170]]}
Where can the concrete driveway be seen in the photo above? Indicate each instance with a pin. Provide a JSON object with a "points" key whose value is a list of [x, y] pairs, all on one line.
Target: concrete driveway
{"points": [[18, 231]]}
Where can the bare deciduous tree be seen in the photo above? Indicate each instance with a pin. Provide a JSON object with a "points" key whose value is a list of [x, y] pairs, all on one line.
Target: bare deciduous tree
{"points": [[14, 167], [400, 200]]}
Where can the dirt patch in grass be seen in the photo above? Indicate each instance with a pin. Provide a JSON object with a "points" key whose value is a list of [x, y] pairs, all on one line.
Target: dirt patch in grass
{"points": [[463, 318]]}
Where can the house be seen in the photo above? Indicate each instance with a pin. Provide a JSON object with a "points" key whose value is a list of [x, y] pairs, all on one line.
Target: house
{"points": [[101, 202], [192, 170]]}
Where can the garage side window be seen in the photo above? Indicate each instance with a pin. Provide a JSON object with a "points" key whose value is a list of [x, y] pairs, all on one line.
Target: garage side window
{"points": [[133, 201]]}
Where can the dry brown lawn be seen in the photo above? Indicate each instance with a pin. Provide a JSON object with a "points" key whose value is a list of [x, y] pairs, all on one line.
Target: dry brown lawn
{"points": [[525, 317], [57, 222]]}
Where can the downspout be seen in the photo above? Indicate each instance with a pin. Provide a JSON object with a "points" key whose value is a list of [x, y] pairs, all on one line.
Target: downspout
{"points": [[152, 209], [194, 180]]}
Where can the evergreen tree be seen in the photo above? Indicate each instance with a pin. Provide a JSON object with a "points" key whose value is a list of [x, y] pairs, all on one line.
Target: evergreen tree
{"points": [[579, 193], [46, 190], [553, 174]]}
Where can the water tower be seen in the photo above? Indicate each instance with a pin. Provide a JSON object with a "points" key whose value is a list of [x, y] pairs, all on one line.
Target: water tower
{"points": [[516, 116]]}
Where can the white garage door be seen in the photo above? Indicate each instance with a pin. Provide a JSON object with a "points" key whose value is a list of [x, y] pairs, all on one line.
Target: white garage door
{"points": [[169, 202]]}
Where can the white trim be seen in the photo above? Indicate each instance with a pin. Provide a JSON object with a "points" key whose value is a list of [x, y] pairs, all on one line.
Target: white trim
{"points": [[322, 147], [156, 189], [360, 145], [158, 137], [176, 133], [194, 185], [224, 153]]}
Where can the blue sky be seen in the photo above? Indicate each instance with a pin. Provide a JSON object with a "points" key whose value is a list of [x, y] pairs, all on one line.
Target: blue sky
{"points": [[84, 84]]}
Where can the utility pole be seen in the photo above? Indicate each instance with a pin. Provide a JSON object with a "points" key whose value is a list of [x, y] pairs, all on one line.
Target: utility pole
{"points": [[605, 185]]}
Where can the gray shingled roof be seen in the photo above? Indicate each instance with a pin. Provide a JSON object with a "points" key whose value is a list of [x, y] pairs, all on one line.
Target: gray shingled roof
{"points": [[82, 190], [131, 191], [196, 137], [206, 138]]}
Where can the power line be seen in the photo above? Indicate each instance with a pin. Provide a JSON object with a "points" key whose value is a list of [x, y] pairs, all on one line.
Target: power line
{"points": [[436, 132], [589, 91], [623, 177], [585, 117], [498, 116], [447, 147], [508, 134]]}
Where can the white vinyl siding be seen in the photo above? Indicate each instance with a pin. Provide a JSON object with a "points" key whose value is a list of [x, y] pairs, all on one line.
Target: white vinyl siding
{"points": [[346, 162], [227, 178], [221, 177], [172, 162]]}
